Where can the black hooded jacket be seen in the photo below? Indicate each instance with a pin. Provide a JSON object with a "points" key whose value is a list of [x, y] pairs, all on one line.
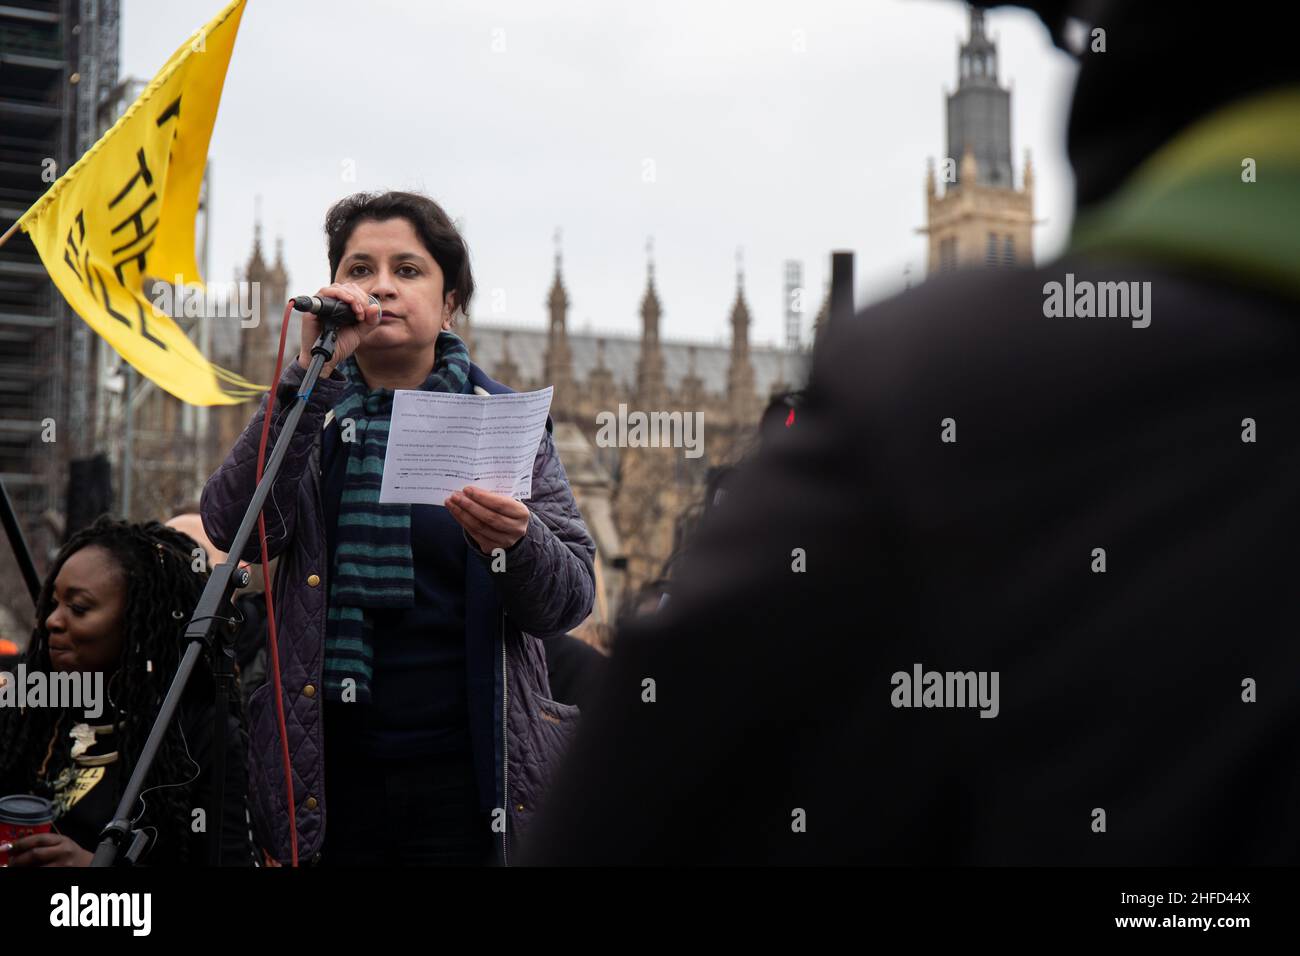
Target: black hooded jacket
{"points": [[1146, 713]]}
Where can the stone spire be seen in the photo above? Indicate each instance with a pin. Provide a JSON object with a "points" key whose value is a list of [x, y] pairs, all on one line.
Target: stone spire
{"points": [[646, 494], [279, 256], [650, 365], [558, 361], [266, 286], [256, 268], [507, 372], [740, 375], [275, 291], [650, 311], [979, 110]]}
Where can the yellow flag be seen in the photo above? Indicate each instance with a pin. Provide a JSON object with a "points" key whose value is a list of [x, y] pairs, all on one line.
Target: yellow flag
{"points": [[125, 211]]}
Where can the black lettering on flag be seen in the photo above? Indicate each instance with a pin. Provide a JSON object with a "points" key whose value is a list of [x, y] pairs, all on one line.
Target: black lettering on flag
{"points": [[172, 111], [139, 308], [108, 303], [140, 256], [144, 325], [137, 219], [72, 250], [140, 259], [143, 171], [68, 258]]}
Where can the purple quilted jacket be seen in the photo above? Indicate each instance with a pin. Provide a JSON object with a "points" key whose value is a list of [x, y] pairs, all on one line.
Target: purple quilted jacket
{"points": [[517, 731]]}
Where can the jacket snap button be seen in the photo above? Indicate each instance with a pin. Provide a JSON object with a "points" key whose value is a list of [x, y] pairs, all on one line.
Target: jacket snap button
{"points": [[313, 580], [311, 803], [309, 691], [520, 807]]}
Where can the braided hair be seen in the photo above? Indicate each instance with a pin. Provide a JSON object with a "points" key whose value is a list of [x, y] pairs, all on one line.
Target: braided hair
{"points": [[162, 589]]}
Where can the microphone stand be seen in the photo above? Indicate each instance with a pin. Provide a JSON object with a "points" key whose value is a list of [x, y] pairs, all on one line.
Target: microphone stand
{"points": [[208, 629], [22, 554]]}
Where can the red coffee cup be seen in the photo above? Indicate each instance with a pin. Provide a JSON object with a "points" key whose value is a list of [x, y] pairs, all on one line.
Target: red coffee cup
{"points": [[20, 816]]}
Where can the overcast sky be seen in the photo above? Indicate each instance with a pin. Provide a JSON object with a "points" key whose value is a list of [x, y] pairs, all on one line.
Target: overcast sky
{"points": [[523, 116]]}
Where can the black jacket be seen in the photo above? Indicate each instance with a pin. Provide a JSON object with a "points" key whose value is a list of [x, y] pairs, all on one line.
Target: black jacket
{"points": [[85, 820], [773, 736]]}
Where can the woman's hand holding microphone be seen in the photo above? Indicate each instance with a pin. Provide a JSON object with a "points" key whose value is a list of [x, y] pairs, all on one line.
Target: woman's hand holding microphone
{"points": [[349, 336]]}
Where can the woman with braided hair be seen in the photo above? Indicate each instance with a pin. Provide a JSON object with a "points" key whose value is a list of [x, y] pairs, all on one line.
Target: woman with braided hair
{"points": [[116, 602]]}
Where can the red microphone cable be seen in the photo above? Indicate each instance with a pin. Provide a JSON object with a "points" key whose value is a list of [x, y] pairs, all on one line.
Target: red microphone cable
{"points": [[270, 604]]}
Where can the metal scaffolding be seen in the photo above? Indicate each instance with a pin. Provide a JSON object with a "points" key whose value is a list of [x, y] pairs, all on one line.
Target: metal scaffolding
{"points": [[58, 62]]}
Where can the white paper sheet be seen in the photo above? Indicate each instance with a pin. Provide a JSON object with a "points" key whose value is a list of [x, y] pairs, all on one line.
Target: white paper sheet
{"points": [[438, 443]]}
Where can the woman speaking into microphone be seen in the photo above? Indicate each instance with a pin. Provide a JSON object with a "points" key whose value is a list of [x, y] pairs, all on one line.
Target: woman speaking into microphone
{"points": [[419, 722]]}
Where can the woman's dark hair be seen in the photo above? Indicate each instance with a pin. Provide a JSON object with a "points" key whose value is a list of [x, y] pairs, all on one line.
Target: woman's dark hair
{"points": [[160, 584], [434, 227]]}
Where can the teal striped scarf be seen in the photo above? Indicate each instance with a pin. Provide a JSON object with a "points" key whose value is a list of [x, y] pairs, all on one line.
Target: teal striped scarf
{"points": [[372, 554]]}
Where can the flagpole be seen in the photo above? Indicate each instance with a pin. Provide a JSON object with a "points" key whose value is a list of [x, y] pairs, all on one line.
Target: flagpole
{"points": [[19, 544], [127, 442], [8, 232]]}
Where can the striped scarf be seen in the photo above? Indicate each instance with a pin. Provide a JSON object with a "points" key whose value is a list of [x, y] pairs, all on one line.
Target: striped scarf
{"points": [[372, 555]]}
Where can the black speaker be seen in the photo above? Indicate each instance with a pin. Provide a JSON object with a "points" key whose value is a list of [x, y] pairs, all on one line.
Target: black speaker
{"points": [[90, 493]]}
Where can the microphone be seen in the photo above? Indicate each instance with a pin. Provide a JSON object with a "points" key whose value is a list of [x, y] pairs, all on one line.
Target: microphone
{"points": [[331, 310]]}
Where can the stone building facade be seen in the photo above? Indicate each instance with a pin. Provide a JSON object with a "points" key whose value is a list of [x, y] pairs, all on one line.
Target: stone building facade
{"points": [[646, 490]]}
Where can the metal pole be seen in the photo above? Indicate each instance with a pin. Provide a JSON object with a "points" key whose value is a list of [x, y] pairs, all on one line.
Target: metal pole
{"points": [[19, 544], [129, 412], [211, 613], [203, 413]]}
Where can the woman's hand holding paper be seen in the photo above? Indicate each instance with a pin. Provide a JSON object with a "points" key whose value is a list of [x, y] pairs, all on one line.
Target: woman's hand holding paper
{"points": [[493, 521]]}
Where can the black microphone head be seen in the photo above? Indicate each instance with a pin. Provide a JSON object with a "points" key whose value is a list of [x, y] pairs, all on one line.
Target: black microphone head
{"points": [[330, 310]]}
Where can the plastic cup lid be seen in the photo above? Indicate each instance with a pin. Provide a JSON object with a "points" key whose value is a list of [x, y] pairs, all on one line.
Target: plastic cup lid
{"points": [[21, 808]]}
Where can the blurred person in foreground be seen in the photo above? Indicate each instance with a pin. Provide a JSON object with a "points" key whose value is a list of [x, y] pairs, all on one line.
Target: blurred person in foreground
{"points": [[1144, 713]]}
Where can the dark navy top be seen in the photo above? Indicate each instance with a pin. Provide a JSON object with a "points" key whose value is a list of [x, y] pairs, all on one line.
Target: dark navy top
{"points": [[419, 700]]}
